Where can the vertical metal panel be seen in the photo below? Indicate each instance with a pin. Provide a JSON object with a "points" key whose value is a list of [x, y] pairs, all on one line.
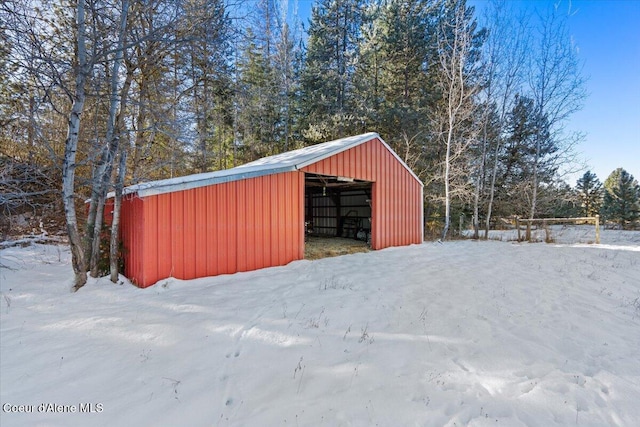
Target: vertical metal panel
{"points": [[290, 235], [242, 225], [210, 231], [272, 224], [176, 227], [280, 197], [396, 195], [229, 247], [150, 254], [258, 231], [130, 235], [406, 216], [189, 233], [217, 204], [222, 201], [263, 233], [201, 226], [300, 193], [162, 233], [250, 225], [219, 229]]}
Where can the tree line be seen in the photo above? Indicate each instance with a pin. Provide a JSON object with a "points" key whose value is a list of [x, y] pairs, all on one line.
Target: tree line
{"points": [[101, 94], [617, 200]]}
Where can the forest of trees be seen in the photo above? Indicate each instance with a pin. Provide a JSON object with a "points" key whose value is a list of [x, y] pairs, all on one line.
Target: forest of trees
{"points": [[100, 94]]}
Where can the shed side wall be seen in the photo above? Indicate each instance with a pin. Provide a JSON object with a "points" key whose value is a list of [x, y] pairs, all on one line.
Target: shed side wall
{"points": [[397, 195], [219, 229]]}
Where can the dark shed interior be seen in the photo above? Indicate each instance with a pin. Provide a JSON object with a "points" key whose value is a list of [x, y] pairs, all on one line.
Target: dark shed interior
{"points": [[338, 207]]}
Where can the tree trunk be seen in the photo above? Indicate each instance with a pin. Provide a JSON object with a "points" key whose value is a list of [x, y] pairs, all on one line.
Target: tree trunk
{"points": [[447, 168], [104, 169], [78, 259], [492, 191], [115, 225], [479, 185], [534, 183]]}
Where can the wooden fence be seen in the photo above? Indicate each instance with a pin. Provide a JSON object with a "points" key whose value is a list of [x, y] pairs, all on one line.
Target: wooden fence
{"points": [[546, 221]]}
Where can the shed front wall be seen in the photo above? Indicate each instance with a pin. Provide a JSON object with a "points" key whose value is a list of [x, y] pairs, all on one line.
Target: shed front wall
{"points": [[396, 194], [218, 229]]}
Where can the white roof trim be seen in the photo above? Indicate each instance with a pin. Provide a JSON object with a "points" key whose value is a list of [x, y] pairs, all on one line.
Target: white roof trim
{"points": [[284, 162]]}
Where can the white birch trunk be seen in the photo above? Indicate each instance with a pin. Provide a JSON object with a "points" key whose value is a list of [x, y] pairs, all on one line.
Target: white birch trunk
{"points": [[103, 171], [115, 225], [71, 146]]}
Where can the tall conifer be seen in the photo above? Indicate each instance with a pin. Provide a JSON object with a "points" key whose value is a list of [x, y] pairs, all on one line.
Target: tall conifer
{"points": [[328, 76], [590, 193], [621, 198]]}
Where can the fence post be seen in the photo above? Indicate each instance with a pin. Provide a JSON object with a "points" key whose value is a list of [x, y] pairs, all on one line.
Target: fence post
{"points": [[518, 226], [597, 229], [547, 232], [528, 235]]}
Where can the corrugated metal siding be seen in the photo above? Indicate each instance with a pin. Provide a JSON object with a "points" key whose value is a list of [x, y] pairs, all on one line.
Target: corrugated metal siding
{"points": [[397, 195], [219, 229], [131, 224]]}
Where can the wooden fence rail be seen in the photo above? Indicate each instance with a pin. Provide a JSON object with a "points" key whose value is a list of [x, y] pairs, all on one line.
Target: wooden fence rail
{"points": [[546, 221]]}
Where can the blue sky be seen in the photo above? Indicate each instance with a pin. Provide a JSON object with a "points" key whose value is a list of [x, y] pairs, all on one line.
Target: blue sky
{"points": [[607, 33]]}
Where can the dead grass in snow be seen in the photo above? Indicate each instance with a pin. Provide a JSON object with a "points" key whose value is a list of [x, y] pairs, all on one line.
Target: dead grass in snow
{"points": [[325, 247]]}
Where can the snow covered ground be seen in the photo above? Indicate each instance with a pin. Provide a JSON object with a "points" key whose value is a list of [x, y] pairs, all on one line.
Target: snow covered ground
{"points": [[461, 333]]}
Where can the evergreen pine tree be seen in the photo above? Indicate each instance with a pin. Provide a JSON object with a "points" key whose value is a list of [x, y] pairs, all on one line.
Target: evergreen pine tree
{"points": [[207, 61], [589, 190], [328, 75], [621, 198], [257, 115], [267, 82], [528, 159], [393, 80]]}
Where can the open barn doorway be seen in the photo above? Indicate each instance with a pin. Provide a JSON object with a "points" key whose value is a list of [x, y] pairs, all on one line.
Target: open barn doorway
{"points": [[337, 215]]}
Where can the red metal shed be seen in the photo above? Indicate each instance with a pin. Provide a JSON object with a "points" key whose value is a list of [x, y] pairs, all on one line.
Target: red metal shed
{"points": [[253, 216]]}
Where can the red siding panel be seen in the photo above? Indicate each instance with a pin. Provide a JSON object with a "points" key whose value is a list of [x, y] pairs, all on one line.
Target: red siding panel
{"points": [[162, 216], [229, 246], [150, 254], [133, 241], [266, 231], [241, 226], [200, 229], [189, 234], [219, 229], [212, 205], [176, 227]]}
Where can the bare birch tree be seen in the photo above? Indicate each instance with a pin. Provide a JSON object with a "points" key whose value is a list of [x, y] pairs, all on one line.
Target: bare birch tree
{"points": [[504, 62], [458, 63], [103, 169], [82, 70], [557, 87]]}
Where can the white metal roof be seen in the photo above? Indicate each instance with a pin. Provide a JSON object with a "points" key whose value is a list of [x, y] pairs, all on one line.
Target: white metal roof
{"points": [[285, 162]]}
